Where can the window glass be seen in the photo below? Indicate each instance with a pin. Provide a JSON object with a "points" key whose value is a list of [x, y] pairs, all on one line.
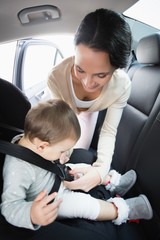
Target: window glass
{"points": [[38, 61], [7, 54], [65, 42], [145, 11]]}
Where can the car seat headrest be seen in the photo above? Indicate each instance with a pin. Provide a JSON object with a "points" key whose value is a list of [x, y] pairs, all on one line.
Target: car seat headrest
{"points": [[148, 50], [14, 105]]}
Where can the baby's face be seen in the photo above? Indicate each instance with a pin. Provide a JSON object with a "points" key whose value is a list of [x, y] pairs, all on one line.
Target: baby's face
{"points": [[59, 151]]}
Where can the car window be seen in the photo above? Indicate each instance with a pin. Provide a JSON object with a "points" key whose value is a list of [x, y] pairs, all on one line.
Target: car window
{"points": [[7, 55], [145, 11], [27, 62], [38, 60], [34, 60]]}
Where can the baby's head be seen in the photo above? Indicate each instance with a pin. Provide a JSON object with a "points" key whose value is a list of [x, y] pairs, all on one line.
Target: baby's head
{"points": [[53, 126]]}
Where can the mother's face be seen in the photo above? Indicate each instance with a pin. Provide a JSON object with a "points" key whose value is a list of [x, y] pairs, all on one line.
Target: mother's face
{"points": [[92, 68]]}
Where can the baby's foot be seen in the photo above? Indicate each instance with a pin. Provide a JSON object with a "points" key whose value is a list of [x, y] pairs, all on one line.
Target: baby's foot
{"points": [[121, 184]]}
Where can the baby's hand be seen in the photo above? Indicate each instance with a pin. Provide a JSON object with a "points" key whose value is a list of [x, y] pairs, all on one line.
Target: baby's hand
{"points": [[42, 211]]}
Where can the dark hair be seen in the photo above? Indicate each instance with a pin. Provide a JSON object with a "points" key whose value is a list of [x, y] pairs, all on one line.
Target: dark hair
{"points": [[52, 121], [107, 31]]}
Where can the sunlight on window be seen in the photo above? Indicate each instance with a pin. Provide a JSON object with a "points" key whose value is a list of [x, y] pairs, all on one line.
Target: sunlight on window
{"points": [[7, 53], [37, 63], [64, 42], [145, 11]]}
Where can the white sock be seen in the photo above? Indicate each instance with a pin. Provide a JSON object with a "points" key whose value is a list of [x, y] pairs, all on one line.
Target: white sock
{"points": [[123, 210], [114, 181]]}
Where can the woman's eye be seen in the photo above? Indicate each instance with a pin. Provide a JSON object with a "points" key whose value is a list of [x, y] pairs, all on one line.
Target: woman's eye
{"points": [[102, 75], [80, 70]]}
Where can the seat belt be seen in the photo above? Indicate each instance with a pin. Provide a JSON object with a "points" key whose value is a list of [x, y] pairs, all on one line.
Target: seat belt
{"points": [[60, 170]]}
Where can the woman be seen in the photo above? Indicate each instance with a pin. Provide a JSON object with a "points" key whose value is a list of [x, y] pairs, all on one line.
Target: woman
{"points": [[92, 80]]}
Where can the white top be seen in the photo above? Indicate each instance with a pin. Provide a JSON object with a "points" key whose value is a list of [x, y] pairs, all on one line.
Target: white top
{"points": [[80, 103]]}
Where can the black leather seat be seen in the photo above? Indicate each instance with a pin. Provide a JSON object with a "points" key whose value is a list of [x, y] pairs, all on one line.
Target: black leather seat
{"points": [[13, 107], [143, 104], [13, 104], [138, 137]]}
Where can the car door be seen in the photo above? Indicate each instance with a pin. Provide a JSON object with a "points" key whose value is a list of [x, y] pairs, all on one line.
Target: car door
{"points": [[34, 58]]}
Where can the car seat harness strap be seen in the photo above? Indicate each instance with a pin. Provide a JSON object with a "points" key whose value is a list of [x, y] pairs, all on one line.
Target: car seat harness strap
{"points": [[60, 170]]}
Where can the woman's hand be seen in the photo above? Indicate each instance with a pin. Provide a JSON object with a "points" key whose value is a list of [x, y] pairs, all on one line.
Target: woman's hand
{"points": [[42, 211], [86, 179]]}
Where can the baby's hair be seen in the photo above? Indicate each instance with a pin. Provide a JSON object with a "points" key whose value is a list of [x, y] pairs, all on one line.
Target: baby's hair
{"points": [[51, 121]]}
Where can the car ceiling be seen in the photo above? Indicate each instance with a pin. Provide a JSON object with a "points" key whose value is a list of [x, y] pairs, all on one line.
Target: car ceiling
{"points": [[72, 12]]}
